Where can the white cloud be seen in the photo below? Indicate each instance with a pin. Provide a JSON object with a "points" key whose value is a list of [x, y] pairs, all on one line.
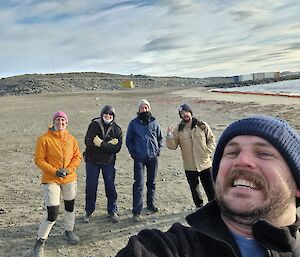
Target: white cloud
{"points": [[167, 37]]}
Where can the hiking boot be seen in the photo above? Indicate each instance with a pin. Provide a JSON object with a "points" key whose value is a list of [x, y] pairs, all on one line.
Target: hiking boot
{"points": [[38, 250], [152, 208], [71, 237], [114, 217], [136, 217], [87, 218]]}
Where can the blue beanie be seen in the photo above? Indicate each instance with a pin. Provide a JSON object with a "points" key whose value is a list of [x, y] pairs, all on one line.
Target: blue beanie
{"points": [[276, 131], [185, 107]]}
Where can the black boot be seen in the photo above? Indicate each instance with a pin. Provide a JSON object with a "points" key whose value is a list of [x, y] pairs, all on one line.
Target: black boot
{"points": [[38, 250]]}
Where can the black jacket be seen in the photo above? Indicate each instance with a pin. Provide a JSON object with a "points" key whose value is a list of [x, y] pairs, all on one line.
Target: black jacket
{"points": [[208, 236], [106, 153]]}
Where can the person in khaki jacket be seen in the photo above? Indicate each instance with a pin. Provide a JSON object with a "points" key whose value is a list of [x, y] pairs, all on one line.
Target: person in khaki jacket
{"points": [[197, 144], [58, 156]]}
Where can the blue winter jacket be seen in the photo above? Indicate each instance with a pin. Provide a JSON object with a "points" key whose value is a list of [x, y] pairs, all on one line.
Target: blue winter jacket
{"points": [[144, 140]]}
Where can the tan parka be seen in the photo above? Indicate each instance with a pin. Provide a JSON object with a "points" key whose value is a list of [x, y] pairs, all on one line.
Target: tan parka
{"points": [[197, 145]]}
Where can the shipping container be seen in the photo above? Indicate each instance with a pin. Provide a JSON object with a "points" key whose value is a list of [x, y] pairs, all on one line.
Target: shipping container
{"points": [[246, 77], [269, 75], [236, 79], [258, 76], [128, 83]]}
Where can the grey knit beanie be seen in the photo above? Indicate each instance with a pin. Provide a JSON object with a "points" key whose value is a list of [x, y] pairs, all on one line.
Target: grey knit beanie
{"points": [[276, 131], [144, 101], [108, 109]]}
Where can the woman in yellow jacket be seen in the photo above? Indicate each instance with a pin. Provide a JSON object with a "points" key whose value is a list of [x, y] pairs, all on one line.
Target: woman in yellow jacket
{"points": [[58, 156]]}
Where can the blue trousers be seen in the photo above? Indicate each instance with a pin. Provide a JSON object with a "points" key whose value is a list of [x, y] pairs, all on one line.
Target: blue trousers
{"points": [[92, 176], [139, 167]]}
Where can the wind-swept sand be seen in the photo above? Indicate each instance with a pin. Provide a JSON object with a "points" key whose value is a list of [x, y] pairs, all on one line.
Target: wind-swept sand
{"points": [[24, 118]]}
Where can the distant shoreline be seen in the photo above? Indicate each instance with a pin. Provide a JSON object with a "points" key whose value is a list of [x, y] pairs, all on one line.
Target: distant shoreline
{"points": [[255, 93], [288, 88]]}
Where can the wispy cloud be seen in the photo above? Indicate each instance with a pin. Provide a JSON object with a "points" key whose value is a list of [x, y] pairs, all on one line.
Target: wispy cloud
{"points": [[166, 37]]}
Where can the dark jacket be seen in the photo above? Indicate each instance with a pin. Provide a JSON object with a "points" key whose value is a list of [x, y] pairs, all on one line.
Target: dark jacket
{"points": [[208, 236], [144, 140], [106, 153]]}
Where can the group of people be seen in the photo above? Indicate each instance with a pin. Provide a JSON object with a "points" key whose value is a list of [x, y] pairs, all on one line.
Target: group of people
{"points": [[58, 156], [252, 184]]}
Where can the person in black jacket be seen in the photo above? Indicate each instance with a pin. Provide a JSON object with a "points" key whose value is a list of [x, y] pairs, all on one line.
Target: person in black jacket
{"points": [[256, 169], [103, 141]]}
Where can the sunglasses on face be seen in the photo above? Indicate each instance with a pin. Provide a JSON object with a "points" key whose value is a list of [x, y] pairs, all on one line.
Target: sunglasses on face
{"points": [[109, 113]]}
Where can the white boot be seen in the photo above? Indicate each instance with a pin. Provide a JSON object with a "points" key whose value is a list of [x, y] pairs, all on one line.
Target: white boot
{"points": [[38, 250], [71, 237]]}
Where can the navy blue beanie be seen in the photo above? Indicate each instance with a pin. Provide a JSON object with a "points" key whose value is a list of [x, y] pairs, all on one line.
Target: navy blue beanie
{"points": [[185, 107], [276, 131]]}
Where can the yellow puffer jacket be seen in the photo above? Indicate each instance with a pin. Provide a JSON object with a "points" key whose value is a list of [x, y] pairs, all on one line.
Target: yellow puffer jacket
{"points": [[54, 150]]}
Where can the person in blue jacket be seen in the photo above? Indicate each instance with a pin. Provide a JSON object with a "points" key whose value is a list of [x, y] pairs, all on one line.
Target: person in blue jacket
{"points": [[144, 141]]}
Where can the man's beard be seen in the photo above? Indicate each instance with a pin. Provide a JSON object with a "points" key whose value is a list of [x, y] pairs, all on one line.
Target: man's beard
{"points": [[274, 204], [186, 119]]}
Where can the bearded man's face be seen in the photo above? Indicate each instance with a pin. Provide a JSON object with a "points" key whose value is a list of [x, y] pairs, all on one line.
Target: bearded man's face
{"points": [[254, 181]]}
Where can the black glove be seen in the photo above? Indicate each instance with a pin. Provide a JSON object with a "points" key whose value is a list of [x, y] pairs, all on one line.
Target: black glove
{"points": [[62, 172]]}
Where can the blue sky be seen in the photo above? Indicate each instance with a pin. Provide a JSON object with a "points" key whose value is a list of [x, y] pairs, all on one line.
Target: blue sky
{"points": [[188, 38]]}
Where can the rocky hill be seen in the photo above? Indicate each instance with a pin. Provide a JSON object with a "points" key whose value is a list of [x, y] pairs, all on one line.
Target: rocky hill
{"points": [[38, 83], [87, 81]]}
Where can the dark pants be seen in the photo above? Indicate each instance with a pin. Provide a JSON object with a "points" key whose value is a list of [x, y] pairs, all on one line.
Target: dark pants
{"points": [[92, 176], [207, 183], [151, 166]]}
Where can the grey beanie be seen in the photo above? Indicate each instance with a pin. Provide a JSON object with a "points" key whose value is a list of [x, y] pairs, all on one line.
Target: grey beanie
{"points": [[109, 109], [276, 131], [144, 101]]}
